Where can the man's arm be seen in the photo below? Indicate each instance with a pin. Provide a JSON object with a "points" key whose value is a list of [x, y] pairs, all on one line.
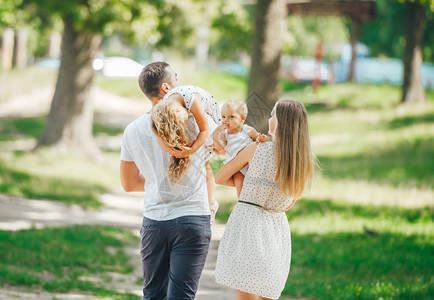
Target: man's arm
{"points": [[131, 178]]}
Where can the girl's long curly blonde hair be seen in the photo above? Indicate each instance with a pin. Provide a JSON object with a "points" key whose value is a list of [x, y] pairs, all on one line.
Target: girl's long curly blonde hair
{"points": [[172, 132]]}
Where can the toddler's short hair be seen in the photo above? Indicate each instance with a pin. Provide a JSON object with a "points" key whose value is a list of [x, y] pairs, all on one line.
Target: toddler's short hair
{"points": [[236, 105]]}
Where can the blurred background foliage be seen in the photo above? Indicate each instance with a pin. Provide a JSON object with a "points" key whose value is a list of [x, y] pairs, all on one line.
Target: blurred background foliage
{"points": [[159, 25], [364, 231]]}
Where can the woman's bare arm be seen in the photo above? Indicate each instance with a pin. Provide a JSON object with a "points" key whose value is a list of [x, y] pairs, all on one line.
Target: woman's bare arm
{"points": [[224, 176]]}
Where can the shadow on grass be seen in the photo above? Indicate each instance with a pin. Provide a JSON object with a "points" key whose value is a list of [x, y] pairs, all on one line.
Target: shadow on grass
{"points": [[357, 266], [411, 120], [68, 191], [13, 128], [310, 208], [60, 259], [313, 208], [397, 165]]}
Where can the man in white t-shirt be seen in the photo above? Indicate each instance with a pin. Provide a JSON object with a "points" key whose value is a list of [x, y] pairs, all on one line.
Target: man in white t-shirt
{"points": [[175, 233]]}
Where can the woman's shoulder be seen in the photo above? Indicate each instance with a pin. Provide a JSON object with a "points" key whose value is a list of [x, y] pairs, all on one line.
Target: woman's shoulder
{"points": [[266, 146], [261, 149]]}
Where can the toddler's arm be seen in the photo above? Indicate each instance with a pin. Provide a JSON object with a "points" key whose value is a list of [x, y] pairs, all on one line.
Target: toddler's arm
{"points": [[257, 137], [253, 134]]}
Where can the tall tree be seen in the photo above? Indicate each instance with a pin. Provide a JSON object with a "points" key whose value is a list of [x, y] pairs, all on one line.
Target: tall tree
{"points": [[8, 20], [263, 90], [69, 124], [412, 89]]}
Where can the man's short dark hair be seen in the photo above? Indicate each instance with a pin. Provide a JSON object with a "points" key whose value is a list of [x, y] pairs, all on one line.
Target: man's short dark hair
{"points": [[151, 77]]}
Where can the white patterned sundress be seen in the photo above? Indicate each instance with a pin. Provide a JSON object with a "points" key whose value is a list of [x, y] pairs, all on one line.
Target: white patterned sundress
{"points": [[210, 106], [254, 254]]}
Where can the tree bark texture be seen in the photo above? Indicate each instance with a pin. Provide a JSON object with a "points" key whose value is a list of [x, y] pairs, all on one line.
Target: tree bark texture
{"points": [[7, 49], [412, 89], [263, 90], [70, 121], [22, 35]]}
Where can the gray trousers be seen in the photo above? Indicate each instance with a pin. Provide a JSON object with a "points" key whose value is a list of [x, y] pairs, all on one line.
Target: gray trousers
{"points": [[173, 256]]}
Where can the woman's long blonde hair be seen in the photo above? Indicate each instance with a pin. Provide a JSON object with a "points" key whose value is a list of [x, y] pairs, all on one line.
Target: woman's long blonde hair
{"points": [[294, 158], [171, 131]]}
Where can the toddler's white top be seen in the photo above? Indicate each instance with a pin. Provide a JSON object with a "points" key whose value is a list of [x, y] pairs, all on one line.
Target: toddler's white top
{"points": [[235, 143]]}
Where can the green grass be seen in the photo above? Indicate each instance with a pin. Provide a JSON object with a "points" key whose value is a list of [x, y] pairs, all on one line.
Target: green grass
{"points": [[42, 175], [221, 85], [31, 127], [63, 178], [376, 175], [30, 185], [77, 258], [125, 87], [20, 82]]}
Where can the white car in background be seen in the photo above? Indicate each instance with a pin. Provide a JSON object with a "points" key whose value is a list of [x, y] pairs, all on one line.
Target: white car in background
{"points": [[306, 70], [117, 66]]}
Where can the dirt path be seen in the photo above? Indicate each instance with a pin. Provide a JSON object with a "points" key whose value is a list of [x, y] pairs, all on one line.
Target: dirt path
{"points": [[120, 210]]}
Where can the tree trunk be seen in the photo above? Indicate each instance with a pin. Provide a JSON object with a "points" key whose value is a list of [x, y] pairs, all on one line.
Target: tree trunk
{"points": [[355, 29], [264, 89], [69, 124], [21, 48], [203, 36], [7, 50], [412, 89]]}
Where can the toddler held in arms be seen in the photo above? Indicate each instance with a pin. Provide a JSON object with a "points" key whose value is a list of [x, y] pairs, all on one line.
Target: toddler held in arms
{"points": [[233, 135], [182, 122]]}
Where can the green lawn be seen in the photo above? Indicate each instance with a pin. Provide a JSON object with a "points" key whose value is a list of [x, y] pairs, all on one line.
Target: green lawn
{"points": [[222, 86], [364, 230], [78, 258]]}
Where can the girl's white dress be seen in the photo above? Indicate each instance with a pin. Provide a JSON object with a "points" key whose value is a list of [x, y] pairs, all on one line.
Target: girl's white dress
{"points": [[254, 254], [210, 106], [235, 143]]}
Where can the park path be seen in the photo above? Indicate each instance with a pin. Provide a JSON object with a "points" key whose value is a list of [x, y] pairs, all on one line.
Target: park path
{"points": [[119, 210]]}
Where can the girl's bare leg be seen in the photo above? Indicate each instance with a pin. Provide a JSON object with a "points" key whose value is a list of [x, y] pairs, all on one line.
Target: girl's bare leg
{"points": [[238, 181], [247, 296], [213, 205]]}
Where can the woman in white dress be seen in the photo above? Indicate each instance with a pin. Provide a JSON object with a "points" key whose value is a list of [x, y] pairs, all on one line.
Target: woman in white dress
{"points": [[254, 254]]}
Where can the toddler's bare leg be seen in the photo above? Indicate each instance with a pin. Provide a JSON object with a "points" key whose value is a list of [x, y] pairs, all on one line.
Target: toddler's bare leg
{"points": [[238, 181]]}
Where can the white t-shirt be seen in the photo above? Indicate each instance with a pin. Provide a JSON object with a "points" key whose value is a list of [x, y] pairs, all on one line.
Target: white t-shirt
{"points": [[164, 200]]}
